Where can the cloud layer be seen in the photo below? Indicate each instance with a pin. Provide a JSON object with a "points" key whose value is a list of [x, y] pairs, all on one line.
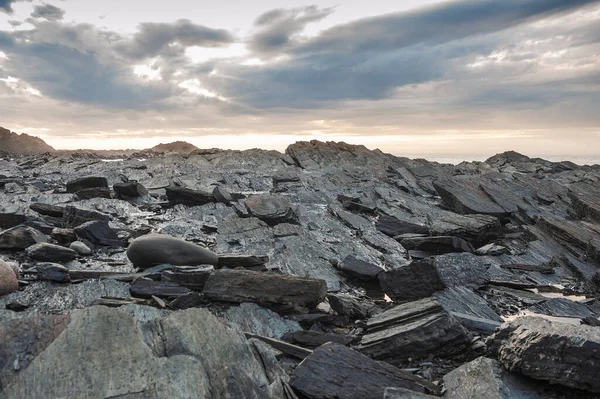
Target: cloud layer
{"points": [[458, 65]]}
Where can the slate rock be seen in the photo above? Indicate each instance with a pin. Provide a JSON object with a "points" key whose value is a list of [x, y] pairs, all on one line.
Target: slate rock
{"points": [[80, 248], [221, 194], [336, 372], [462, 197], [492, 250], [9, 220], [486, 378], [560, 353], [348, 305], [20, 237], [419, 279], [359, 269], [437, 245], [313, 339], [48, 209], [63, 235], [148, 288], [155, 249], [584, 198], [271, 209], [130, 189], [414, 330], [8, 279], [53, 272], [241, 260], [99, 233], [187, 196], [191, 277], [50, 253], [93, 192], [562, 307], [252, 318], [76, 185], [249, 286], [394, 227], [74, 217]]}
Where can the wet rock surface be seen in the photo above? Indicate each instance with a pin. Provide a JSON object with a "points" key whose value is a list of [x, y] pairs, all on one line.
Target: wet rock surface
{"points": [[330, 271]]}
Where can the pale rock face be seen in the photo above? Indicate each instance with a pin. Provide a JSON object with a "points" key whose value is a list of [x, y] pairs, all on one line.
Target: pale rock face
{"points": [[8, 279]]}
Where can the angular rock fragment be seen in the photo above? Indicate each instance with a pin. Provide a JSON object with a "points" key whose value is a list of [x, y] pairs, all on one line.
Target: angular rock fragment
{"points": [[574, 233], [191, 277], [414, 330], [130, 189], [20, 237], [313, 339], [416, 280], [585, 200], [221, 194], [271, 209], [359, 269], [437, 245], [471, 310], [76, 185], [93, 192], [348, 305], [53, 272], [336, 372], [9, 220], [394, 227], [155, 249], [187, 196], [99, 233], [551, 351], [64, 235], [486, 378], [492, 249], [47, 209], [248, 286], [252, 318], [50, 253], [74, 217], [562, 307]]}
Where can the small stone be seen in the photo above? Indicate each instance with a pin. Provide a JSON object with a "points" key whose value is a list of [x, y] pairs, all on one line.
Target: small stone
{"points": [[80, 248]]}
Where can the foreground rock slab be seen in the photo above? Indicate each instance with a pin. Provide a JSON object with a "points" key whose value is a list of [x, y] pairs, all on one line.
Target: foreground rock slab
{"points": [[155, 249], [414, 330], [334, 371], [249, 286], [557, 352], [486, 378]]}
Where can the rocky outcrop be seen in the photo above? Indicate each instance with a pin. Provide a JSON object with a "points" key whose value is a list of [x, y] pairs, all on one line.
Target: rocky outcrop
{"points": [[22, 144]]}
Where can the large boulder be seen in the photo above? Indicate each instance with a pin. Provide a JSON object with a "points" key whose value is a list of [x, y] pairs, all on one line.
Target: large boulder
{"points": [[107, 352], [155, 249], [552, 351], [8, 279]]}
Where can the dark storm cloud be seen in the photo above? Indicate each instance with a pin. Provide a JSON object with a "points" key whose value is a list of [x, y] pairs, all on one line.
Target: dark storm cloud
{"points": [[5, 5], [369, 58], [277, 27], [48, 11], [169, 39]]}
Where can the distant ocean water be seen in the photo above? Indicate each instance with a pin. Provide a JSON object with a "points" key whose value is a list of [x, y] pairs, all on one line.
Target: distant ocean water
{"points": [[456, 159]]}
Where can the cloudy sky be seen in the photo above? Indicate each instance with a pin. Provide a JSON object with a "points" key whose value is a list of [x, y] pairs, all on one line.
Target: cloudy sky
{"points": [[409, 77]]}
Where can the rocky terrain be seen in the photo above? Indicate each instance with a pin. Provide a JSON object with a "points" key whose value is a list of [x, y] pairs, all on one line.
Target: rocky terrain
{"points": [[23, 144], [329, 271]]}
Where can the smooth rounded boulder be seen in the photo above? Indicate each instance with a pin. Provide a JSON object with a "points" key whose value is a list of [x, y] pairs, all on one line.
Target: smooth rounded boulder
{"points": [[8, 279], [155, 249]]}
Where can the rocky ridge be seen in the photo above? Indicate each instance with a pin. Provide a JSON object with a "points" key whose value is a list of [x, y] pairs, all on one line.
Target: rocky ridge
{"points": [[328, 271]]}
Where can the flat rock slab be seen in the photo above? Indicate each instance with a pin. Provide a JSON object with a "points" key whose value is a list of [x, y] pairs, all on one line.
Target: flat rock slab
{"points": [[129, 190], [336, 372], [437, 245], [393, 227], [99, 233], [585, 199], [240, 260], [53, 272], [574, 233], [48, 209], [313, 339], [187, 196], [76, 185], [249, 286], [155, 249], [556, 352], [486, 378], [74, 217], [161, 289], [414, 330], [44, 251], [192, 277], [271, 209], [463, 196], [359, 269]]}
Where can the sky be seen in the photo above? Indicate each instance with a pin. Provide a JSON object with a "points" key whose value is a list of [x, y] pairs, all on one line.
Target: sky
{"points": [[415, 77]]}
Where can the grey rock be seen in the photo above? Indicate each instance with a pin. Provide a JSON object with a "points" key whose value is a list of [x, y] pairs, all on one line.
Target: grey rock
{"points": [[394, 227], [437, 245], [191, 277], [459, 195], [48, 209], [76, 185], [240, 260], [53, 272], [556, 352], [271, 209], [50, 253], [187, 196], [74, 217], [562, 307], [131, 189], [348, 305], [80, 248], [250, 317], [414, 330], [99, 233], [221, 194], [155, 249], [359, 269], [93, 192], [21, 237], [486, 378], [492, 249]]}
